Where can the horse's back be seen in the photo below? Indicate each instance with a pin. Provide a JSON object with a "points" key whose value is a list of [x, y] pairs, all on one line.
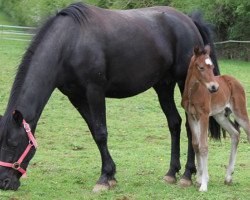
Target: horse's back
{"points": [[135, 49]]}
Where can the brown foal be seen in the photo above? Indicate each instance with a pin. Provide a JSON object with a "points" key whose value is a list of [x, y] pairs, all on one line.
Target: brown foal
{"points": [[208, 95]]}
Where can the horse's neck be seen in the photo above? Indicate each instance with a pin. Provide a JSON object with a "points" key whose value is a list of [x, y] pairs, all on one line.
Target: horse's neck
{"points": [[37, 86]]}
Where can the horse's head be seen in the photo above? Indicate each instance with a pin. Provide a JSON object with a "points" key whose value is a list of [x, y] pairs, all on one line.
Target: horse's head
{"points": [[13, 144], [203, 68]]}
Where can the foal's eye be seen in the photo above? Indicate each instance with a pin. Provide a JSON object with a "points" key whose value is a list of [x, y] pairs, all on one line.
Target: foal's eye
{"points": [[201, 68]]}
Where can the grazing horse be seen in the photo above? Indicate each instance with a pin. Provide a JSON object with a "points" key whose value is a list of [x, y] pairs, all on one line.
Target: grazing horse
{"points": [[90, 53], [208, 95]]}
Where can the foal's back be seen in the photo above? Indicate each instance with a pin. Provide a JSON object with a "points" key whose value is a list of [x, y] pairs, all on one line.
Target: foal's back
{"points": [[229, 94]]}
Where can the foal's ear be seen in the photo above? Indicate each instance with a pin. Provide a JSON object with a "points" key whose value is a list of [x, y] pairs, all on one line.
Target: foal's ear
{"points": [[1, 117], [197, 51], [208, 49], [18, 117]]}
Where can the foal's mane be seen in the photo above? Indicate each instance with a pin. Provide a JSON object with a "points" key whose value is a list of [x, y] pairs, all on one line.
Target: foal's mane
{"points": [[78, 11]]}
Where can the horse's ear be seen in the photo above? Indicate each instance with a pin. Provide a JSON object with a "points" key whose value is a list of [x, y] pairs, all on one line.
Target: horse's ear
{"points": [[18, 117], [1, 117], [208, 49]]}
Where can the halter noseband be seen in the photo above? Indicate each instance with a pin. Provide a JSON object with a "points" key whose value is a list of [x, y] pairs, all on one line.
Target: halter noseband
{"points": [[32, 142]]}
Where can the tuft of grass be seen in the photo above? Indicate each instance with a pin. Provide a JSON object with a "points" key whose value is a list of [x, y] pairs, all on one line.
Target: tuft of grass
{"points": [[67, 163]]}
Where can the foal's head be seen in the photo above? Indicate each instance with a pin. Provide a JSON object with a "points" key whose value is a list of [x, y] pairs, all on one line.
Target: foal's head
{"points": [[202, 68]]}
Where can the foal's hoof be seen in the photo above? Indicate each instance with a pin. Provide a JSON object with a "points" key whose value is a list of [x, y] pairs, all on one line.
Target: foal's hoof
{"points": [[100, 187], [203, 188], [228, 182], [170, 179], [185, 183]]}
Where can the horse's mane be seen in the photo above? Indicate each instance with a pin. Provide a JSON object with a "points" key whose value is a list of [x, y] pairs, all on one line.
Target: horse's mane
{"points": [[24, 66], [77, 11]]}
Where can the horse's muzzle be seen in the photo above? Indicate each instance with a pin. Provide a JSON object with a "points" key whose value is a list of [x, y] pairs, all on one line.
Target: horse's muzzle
{"points": [[8, 184]]}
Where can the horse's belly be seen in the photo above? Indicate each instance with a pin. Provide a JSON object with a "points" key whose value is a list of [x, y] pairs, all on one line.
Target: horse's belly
{"points": [[129, 85]]}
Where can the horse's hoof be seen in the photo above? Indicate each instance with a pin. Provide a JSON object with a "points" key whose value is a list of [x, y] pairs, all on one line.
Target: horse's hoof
{"points": [[170, 179], [185, 183], [228, 182], [112, 183], [100, 187]]}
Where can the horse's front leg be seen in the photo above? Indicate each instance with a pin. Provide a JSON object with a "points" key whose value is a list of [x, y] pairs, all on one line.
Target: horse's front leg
{"points": [[96, 101], [190, 168], [92, 108]]}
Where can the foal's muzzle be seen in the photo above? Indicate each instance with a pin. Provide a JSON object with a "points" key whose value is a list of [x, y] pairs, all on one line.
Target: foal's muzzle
{"points": [[212, 87]]}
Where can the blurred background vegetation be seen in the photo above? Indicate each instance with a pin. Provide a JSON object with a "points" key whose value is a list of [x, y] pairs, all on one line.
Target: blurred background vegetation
{"points": [[231, 18]]}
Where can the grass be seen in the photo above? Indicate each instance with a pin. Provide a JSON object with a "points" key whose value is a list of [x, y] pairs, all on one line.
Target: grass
{"points": [[67, 162]]}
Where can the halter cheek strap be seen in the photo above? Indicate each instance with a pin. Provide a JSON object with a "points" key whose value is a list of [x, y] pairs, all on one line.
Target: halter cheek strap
{"points": [[32, 142]]}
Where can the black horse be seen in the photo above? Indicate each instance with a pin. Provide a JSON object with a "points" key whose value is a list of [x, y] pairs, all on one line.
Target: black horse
{"points": [[90, 53]]}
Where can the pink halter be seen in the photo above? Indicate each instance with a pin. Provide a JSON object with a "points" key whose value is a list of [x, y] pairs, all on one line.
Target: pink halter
{"points": [[32, 142]]}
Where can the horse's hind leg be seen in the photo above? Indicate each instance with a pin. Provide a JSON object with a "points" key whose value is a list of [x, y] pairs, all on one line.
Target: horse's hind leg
{"points": [[165, 94], [190, 165], [92, 109], [234, 134]]}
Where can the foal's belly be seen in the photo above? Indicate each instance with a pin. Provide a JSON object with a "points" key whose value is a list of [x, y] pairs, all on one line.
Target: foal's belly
{"points": [[216, 109]]}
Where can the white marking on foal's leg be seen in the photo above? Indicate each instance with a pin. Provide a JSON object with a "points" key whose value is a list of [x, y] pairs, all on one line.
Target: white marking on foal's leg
{"points": [[199, 171], [230, 167], [204, 177], [234, 134], [195, 127]]}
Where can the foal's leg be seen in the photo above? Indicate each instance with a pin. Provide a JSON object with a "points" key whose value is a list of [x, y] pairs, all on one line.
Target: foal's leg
{"points": [[240, 115], [203, 150], [92, 109], [190, 164], [165, 94], [234, 134], [195, 129]]}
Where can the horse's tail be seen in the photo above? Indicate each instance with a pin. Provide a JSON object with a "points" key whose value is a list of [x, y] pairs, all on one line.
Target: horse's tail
{"points": [[205, 30]]}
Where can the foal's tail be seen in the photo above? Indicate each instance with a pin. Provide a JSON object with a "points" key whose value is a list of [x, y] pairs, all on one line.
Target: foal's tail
{"points": [[206, 34]]}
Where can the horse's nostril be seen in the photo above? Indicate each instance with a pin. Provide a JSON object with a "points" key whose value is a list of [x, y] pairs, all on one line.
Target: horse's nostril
{"points": [[6, 183]]}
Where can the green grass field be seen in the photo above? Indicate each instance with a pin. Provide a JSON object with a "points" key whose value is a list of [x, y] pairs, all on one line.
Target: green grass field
{"points": [[67, 162]]}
